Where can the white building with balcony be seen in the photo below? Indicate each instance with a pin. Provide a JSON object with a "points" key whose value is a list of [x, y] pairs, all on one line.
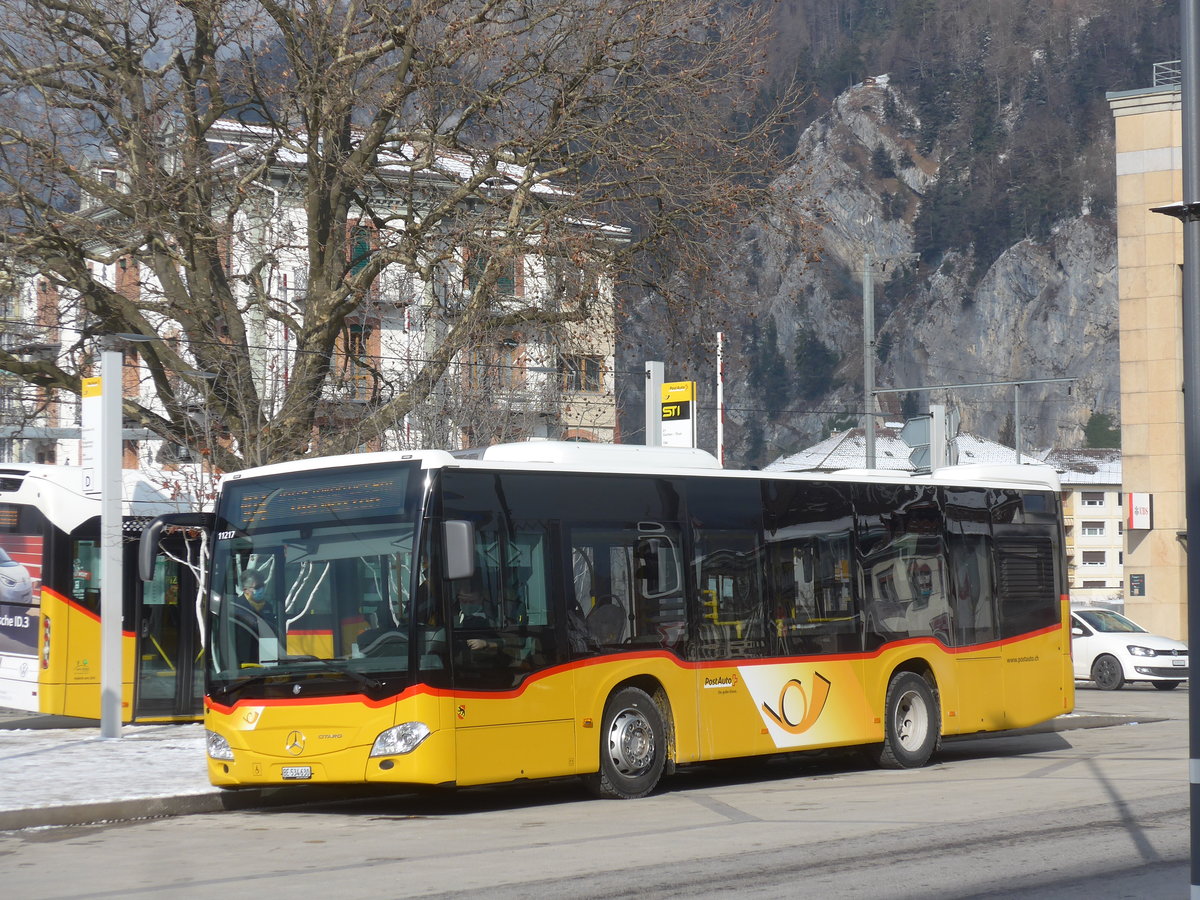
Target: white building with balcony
{"points": [[516, 383]]}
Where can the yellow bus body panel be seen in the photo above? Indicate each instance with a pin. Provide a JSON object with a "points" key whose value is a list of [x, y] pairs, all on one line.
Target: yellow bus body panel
{"points": [[70, 684], [333, 736], [551, 724]]}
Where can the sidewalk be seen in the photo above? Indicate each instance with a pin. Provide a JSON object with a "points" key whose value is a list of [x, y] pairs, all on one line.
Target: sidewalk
{"points": [[58, 771]]}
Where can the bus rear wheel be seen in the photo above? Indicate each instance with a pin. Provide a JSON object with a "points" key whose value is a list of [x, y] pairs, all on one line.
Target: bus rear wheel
{"points": [[633, 747], [911, 723]]}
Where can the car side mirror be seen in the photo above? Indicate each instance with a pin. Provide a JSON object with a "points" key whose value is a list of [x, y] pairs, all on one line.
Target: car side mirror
{"points": [[1076, 631]]}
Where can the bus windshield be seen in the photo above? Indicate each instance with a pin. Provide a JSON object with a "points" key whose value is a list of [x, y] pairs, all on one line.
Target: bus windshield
{"points": [[312, 575]]}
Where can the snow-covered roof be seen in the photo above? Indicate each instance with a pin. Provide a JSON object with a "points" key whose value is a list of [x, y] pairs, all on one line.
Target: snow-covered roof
{"points": [[848, 450], [249, 142], [1086, 466]]}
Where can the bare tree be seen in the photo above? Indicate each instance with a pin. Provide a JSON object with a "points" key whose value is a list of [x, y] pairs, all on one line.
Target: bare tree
{"points": [[261, 186]]}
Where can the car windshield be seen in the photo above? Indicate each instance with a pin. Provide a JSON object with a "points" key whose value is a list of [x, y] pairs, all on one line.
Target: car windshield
{"points": [[306, 568], [6, 560], [1110, 622]]}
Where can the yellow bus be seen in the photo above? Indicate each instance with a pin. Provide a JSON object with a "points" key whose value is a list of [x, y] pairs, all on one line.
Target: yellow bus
{"points": [[613, 612], [50, 601]]}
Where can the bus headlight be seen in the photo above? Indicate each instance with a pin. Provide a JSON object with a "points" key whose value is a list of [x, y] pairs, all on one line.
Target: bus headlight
{"points": [[401, 739], [218, 747]]}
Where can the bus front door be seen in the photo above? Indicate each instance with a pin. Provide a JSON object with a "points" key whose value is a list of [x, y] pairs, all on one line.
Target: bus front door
{"points": [[169, 673]]}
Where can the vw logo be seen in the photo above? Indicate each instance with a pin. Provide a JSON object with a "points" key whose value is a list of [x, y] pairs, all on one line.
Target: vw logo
{"points": [[294, 743]]}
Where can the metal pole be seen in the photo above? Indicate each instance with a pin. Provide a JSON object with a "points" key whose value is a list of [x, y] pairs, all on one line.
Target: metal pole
{"points": [[1190, 89], [869, 360], [111, 587], [1017, 421], [937, 436], [721, 397], [654, 383]]}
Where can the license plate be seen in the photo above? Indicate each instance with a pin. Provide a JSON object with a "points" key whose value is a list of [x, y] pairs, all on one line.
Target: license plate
{"points": [[1179, 662], [297, 773]]}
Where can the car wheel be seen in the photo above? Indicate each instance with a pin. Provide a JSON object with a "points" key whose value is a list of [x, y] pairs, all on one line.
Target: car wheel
{"points": [[1165, 685], [1107, 673], [633, 747], [911, 723]]}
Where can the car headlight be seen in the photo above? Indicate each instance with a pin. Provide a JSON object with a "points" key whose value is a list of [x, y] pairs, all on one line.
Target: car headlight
{"points": [[1139, 651], [218, 747], [401, 739]]}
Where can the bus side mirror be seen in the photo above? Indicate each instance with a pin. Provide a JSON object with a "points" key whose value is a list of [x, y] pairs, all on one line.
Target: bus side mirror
{"points": [[458, 537], [148, 544]]}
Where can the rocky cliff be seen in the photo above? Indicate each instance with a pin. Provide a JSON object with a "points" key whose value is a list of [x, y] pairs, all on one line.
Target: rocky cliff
{"points": [[1044, 309]]}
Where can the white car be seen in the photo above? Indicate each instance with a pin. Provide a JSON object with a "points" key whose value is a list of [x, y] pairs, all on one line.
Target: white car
{"points": [[1109, 649], [15, 584]]}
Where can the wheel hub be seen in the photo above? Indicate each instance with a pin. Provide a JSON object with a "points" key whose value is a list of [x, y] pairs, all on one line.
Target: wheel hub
{"points": [[631, 743], [912, 721]]}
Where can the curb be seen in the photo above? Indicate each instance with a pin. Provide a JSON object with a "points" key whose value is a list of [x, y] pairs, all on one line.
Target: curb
{"points": [[110, 811], [132, 809]]}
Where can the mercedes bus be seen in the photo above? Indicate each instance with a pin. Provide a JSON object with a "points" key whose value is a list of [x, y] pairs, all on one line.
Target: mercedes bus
{"points": [[613, 612]]}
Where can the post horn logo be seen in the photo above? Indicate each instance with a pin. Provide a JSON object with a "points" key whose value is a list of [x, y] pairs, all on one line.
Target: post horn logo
{"points": [[812, 705]]}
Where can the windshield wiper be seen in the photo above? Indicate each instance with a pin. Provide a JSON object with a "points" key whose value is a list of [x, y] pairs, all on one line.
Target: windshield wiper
{"points": [[364, 680], [234, 687]]}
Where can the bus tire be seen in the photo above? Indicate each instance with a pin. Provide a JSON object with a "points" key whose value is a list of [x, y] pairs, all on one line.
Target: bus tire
{"points": [[1107, 673], [911, 723], [633, 747]]}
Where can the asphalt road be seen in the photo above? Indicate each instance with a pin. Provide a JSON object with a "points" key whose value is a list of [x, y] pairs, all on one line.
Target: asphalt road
{"points": [[1092, 812]]}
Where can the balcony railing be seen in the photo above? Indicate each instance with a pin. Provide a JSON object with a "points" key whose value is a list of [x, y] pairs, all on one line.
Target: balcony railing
{"points": [[1168, 73]]}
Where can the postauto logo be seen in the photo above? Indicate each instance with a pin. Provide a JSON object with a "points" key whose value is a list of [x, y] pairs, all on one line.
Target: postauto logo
{"points": [[797, 717]]}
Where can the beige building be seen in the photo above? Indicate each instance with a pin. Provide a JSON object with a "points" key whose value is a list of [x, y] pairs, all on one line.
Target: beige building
{"points": [[1149, 258]]}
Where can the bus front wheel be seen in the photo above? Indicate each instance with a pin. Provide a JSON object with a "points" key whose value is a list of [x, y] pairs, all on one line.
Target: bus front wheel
{"points": [[633, 747], [911, 723]]}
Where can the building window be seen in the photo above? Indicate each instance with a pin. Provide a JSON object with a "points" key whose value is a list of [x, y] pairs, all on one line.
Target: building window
{"points": [[358, 379], [1095, 584], [360, 247], [1092, 498], [506, 281], [1093, 529], [582, 373], [501, 367], [1093, 557]]}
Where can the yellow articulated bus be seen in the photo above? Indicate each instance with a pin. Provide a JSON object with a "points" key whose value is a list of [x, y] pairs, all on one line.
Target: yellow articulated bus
{"points": [[551, 609], [50, 601]]}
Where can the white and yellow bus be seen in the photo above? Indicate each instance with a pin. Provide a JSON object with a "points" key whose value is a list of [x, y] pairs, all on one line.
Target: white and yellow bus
{"points": [[50, 600], [551, 609]]}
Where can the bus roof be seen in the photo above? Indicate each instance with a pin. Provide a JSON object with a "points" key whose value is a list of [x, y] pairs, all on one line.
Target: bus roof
{"points": [[570, 456], [57, 491]]}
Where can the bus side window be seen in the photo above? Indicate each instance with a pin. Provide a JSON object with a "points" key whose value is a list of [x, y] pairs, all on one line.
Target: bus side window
{"points": [[902, 557], [659, 614], [811, 599]]}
